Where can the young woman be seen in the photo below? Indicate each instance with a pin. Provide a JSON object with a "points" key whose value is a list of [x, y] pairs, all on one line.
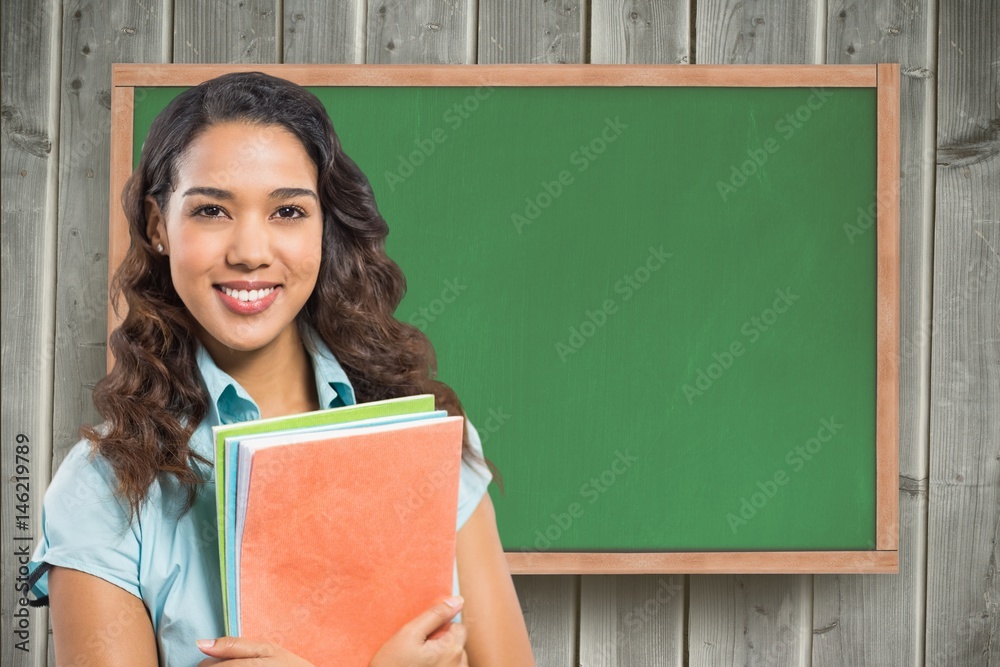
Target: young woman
{"points": [[257, 285]]}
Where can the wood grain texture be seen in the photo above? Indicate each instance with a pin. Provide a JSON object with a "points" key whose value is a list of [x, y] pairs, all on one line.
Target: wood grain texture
{"points": [[551, 607], [752, 620], [640, 31], [756, 31], [522, 31], [323, 32], [963, 622], [122, 108], [225, 32], [632, 620], [29, 179], [93, 37], [402, 31], [702, 562], [874, 619], [887, 321], [179, 74]]}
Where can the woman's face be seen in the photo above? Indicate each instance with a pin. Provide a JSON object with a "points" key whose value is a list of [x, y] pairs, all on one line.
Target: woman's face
{"points": [[243, 231]]}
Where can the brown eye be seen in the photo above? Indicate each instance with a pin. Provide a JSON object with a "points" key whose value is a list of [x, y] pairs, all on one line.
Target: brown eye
{"points": [[293, 210], [210, 211]]}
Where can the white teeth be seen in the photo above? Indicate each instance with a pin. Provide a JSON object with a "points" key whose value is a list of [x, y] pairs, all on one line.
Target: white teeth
{"points": [[252, 295]]}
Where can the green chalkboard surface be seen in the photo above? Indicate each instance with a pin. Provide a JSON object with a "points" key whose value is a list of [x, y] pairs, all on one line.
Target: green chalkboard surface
{"points": [[658, 304]]}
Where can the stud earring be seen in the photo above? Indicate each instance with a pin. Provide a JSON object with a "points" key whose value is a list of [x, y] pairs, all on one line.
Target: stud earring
{"points": [[159, 246]]}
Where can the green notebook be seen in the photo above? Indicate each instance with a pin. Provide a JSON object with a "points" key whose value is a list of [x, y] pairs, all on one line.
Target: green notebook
{"points": [[389, 407]]}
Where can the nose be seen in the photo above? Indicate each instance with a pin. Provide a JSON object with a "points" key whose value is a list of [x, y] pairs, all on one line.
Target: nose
{"points": [[250, 244]]}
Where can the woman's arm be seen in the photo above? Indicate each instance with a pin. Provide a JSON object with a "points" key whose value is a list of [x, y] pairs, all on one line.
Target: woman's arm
{"points": [[497, 635], [95, 622]]}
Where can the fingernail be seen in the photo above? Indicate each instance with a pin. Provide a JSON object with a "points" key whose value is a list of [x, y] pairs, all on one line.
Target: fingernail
{"points": [[455, 602], [205, 643]]}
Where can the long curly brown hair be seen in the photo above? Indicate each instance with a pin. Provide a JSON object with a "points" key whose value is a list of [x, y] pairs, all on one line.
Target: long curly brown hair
{"points": [[153, 399]]}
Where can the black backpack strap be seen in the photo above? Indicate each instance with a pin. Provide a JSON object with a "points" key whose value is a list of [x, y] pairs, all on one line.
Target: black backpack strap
{"points": [[32, 580]]}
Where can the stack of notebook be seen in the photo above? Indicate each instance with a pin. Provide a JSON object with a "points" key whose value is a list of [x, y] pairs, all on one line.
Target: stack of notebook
{"points": [[337, 527]]}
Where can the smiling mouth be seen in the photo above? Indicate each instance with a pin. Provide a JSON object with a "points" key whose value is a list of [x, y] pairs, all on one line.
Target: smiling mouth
{"points": [[246, 295]]}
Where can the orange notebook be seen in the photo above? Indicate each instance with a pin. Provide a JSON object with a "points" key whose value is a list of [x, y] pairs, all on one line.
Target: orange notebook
{"points": [[349, 536]]}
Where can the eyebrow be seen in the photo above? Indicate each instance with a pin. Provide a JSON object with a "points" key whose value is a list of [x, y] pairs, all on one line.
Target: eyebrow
{"points": [[280, 193]]}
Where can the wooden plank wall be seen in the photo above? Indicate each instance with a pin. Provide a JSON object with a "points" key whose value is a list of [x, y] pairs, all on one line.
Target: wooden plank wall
{"points": [[941, 609]]}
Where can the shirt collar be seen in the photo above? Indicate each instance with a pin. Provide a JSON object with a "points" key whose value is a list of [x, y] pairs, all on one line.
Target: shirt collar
{"points": [[231, 403], [332, 384]]}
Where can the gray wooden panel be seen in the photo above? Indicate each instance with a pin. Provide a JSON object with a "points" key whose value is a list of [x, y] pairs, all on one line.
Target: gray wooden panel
{"points": [[428, 31], [523, 31], [93, 36], [550, 606], [757, 619], [753, 619], [632, 620], [963, 619], [758, 32], [323, 32], [28, 176], [878, 619], [640, 31], [226, 32]]}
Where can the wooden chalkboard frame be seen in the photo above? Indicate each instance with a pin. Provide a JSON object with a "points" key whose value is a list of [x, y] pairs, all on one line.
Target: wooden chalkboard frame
{"points": [[884, 77]]}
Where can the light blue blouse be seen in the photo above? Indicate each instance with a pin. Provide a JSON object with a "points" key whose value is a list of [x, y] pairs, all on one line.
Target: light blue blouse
{"points": [[171, 563]]}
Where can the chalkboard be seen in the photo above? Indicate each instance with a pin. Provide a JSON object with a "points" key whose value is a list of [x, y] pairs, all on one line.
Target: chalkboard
{"points": [[666, 295]]}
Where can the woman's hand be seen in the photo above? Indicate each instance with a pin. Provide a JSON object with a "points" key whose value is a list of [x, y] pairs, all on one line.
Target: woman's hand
{"points": [[231, 651], [418, 645]]}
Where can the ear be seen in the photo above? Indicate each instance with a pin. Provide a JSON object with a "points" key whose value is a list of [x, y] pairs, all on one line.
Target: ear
{"points": [[156, 228]]}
